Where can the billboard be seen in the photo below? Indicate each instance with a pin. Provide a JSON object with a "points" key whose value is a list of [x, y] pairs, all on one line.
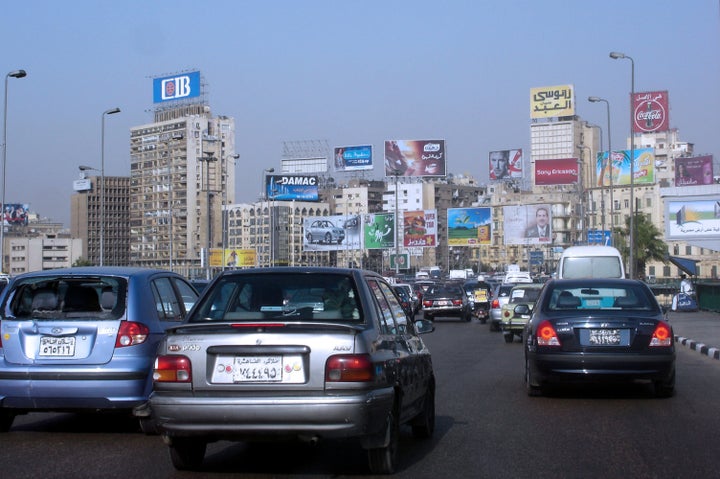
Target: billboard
{"points": [[469, 226], [527, 224], [291, 187], [379, 230], [176, 87], [694, 171], [552, 101], [619, 171], [15, 214], [415, 158], [331, 233], [505, 165], [692, 218], [651, 112], [232, 258], [562, 171], [419, 228], [353, 158]]}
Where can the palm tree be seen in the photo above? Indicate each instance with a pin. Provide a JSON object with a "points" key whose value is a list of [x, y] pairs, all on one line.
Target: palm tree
{"points": [[648, 243]]}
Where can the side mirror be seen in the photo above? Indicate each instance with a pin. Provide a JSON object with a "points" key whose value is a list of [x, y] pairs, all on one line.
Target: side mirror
{"points": [[423, 326]]}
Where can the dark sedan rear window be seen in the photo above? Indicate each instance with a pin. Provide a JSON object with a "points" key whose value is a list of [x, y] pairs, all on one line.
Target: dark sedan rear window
{"points": [[622, 298], [284, 297]]}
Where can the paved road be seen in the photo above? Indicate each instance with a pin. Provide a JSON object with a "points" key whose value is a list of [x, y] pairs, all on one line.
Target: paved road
{"points": [[699, 331]]}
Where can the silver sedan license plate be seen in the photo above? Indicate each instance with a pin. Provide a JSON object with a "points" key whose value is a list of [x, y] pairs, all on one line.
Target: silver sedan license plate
{"points": [[258, 369]]}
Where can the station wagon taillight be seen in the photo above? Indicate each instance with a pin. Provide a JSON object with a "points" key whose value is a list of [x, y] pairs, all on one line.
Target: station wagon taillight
{"points": [[172, 369], [349, 368], [131, 334]]}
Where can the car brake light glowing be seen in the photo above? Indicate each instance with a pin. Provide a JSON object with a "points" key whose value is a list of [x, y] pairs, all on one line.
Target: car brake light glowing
{"points": [[506, 313], [546, 335], [131, 333], [457, 302], [172, 369], [661, 336], [349, 368], [495, 303], [427, 304]]}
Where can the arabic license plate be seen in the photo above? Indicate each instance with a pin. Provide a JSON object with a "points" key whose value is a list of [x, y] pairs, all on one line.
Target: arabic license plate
{"points": [[250, 369], [53, 346], [604, 337], [443, 303]]}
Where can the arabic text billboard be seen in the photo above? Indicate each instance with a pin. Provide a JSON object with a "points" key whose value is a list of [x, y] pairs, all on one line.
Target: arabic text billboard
{"points": [[353, 158], [694, 171], [415, 158], [233, 258], [469, 226], [651, 111], [692, 218], [420, 228], [644, 167], [379, 230], [552, 101]]}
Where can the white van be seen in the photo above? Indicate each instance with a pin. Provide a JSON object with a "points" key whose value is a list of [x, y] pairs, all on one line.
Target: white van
{"points": [[591, 262]]}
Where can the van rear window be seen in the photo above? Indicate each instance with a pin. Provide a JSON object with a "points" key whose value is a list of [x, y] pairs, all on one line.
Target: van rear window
{"points": [[592, 267]]}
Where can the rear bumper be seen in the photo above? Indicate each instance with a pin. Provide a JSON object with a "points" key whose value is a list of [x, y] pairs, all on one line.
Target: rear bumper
{"points": [[233, 417], [598, 366]]}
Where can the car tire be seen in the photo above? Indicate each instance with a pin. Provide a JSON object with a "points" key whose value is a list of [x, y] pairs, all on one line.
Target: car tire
{"points": [[665, 388], [6, 420], [423, 425], [148, 426], [468, 316], [429, 317], [187, 454], [494, 326], [328, 238], [383, 460], [508, 337], [532, 390]]}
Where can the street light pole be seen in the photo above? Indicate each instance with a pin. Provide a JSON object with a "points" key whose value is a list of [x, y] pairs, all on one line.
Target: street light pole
{"points": [[225, 211], [12, 74], [616, 56], [208, 159], [102, 181], [264, 195], [595, 99]]}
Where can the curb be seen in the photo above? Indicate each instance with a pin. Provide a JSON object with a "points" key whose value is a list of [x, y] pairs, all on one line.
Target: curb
{"points": [[713, 353]]}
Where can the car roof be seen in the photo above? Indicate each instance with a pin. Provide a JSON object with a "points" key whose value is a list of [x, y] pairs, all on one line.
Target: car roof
{"points": [[97, 271]]}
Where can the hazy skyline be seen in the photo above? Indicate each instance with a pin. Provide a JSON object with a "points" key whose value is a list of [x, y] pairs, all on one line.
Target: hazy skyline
{"points": [[345, 72]]}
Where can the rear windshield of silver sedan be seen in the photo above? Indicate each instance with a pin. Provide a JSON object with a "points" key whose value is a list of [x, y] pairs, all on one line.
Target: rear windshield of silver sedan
{"points": [[284, 297], [56, 297], [623, 298]]}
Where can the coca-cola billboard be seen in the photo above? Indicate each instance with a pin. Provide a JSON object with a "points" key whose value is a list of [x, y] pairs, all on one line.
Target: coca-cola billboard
{"points": [[651, 112]]}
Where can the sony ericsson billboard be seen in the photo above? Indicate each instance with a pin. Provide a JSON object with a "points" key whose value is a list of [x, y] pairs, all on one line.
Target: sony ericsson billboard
{"points": [[176, 87]]}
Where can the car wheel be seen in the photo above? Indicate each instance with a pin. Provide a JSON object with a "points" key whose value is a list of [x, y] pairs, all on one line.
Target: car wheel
{"points": [[494, 326], [429, 317], [148, 426], [187, 454], [383, 460], [6, 420], [665, 388], [509, 337], [532, 390], [423, 425], [309, 238], [328, 238], [468, 316]]}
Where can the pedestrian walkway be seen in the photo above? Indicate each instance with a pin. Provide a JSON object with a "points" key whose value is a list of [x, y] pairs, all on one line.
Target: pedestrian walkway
{"points": [[699, 331]]}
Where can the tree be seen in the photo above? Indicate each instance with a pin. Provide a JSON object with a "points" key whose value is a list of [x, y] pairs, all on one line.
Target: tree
{"points": [[82, 262], [648, 243]]}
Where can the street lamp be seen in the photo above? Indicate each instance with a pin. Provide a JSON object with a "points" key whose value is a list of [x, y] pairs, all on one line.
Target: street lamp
{"points": [[225, 215], [595, 99], [111, 111], [208, 159], [264, 195], [631, 266], [584, 226], [12, 74]]}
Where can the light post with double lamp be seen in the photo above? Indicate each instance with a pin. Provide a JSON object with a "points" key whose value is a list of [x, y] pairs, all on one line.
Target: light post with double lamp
{"points": [[264, 196], [111, 111], [631, 266], [225, 210], [595, 99], [12, 74]]}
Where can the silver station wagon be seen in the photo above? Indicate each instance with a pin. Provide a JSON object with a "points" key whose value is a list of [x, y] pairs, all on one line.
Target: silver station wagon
{"points": [[304, 353]]}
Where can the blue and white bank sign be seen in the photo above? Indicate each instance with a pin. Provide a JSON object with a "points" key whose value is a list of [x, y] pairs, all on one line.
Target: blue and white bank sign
{"points": [[177, 87]]}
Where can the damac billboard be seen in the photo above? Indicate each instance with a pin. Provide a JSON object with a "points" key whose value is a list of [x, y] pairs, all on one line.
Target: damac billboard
{"points": [[563, 171], [291, 187], [651, 112], [415, 158]]}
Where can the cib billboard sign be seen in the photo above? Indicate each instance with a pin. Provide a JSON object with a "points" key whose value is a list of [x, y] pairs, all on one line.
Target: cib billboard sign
{"points": [[177, 87]]}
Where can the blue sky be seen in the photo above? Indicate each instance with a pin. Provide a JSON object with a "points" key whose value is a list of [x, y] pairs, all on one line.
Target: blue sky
{"points": [[348, 72]]}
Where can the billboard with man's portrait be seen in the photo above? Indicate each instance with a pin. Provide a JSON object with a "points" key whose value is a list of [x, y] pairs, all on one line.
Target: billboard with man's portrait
{"points": [[505, 165], [527, 224]]}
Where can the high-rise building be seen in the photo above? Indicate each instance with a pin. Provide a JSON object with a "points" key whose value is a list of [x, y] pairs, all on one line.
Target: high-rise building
{"points": [[182, 174]]}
